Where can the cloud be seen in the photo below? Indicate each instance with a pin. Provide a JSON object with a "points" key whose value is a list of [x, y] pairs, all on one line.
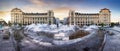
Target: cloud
{"points": [[5, 15], [32, 8], [62, 12], [63, 9], [38, 2], [41, 4]]}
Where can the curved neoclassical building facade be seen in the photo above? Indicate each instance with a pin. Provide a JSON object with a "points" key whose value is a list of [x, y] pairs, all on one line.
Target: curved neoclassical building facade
{"points": [[18, 16], [103, 17]]}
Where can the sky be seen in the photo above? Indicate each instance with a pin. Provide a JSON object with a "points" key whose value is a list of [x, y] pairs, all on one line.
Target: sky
{"points": [[61, 7]]}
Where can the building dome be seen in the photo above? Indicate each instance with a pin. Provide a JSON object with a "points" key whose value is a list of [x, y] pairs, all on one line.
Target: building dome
{"points": [[105, 10], [16, 9]]}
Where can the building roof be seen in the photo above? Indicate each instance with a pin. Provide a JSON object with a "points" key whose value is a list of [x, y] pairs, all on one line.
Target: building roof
{"points": [[105, 9], [16, 9], [35, 13], [86, 13]]}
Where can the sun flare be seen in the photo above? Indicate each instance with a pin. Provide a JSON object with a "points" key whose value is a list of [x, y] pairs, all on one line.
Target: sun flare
{"points": [[5, 16]]}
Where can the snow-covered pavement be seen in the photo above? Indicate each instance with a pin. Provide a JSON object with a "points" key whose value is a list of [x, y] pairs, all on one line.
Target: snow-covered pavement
{"points": [[113, 41], [52, 28], [6, 45], [63, 30], [92, 41]]}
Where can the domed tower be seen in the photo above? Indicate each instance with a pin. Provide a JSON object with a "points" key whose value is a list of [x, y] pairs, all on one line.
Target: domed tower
{"points": [[71, 17], [51, 16], [104, 16], [16, 16]]}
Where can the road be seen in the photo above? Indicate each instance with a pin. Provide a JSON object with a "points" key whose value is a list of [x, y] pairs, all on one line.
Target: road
{"points": [[6, 45], [112, 41]]}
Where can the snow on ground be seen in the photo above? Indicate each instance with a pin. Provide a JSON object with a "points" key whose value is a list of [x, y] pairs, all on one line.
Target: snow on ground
{"points": [[58, 42], [6, 45], [113, 41], [4, 27], [91, 28], [85, 26], [116, 28], [63, 31], [52, 28]]}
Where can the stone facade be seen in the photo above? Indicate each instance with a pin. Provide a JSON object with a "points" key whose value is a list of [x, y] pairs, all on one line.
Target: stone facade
{"points": [[103, 17], [18, 16]]}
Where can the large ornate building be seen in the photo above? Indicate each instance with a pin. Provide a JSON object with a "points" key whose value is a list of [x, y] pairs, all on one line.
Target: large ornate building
{"points": [[18, 16], [103, 17]]}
